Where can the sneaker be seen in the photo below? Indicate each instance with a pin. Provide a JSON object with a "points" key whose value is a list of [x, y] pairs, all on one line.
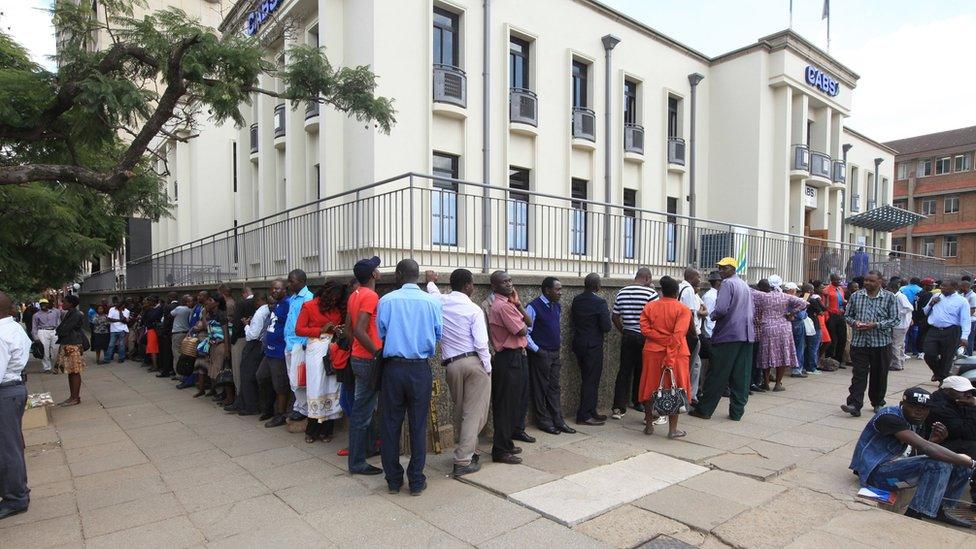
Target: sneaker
{"points": [[814, 372], [617, 413], [661, 420], [460, 471]]}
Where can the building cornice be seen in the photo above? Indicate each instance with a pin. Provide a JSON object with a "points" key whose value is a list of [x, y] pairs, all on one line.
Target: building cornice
{"points": [[790, 40], [863, 137]]}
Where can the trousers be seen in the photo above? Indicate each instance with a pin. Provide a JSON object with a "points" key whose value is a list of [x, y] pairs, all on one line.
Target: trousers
{"points": [[590, 360], [837, 329], [934, 481], [897, 348], [626, 385], [470, 388], [544, 377], [730, 366], [508, 368], [14, 492], [116, 340], [250, 360], [696, 367], [940, 349], [49, 339], [361, 429], [869, 370], [405, 391]]}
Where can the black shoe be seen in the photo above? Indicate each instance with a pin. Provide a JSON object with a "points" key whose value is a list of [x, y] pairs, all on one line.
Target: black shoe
{"points": [[296, 416], [566, 429], [699, 415], [516, 450], [246, 413], [877, 409], [185, 385], [11, 511], [461, 470], [231, 408], [507, 458], [947, 517], [601, 417], [418, 490], [524, 437], [842, 367], [265, 417], [593, 422], [851, 410], [369, 471], [163, 374], [475, 457], [550, 430], [277, 421]]}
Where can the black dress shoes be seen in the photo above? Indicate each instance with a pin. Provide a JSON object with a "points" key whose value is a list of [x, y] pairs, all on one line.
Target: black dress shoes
{"points": [[507, 458], [601, 417], [369, 471], [461, 470], [550, 430], [851, 410], [524, 437], [276, 421], [593, 422], [566, 429], [296, 416], [699, 415], [265, 417]]}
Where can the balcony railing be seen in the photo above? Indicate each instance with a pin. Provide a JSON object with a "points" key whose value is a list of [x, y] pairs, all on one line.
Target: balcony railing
{"points": [[801, 158], [535, 233], [633, 138], [523, 106], [450, 85], [254, 138], [584, 123], [311, 110], [819, 165], [676, 151], [840, 172], [279, 120]]}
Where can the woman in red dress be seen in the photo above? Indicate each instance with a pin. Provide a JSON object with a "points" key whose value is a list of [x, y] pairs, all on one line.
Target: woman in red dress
{"points": [[664, 324]]}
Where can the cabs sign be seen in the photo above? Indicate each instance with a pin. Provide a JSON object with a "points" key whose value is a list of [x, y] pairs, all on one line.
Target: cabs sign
{"points": [[261, 14], [822, 81]]}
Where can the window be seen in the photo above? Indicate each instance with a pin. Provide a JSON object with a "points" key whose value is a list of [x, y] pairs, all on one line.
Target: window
{"points": [[924, 168], [313, 35], [855, 203], [672, 230], [928, 247], [518, 210], [903, 204], [580, 98], [577, 223], [672, 116], [518, 63], [949, 246], [630, 102], [898, 245], [883, 197], [443, 200], [630, 222], [902, 171], [963, 162], [872, 191], [233, 163], [951, 204], [926, 206], [943, 165], [176, 191], [445, 38]]}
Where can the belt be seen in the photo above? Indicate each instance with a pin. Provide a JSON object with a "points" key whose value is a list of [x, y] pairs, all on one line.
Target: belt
{"points": [[946, 328], [447, 361], [519, 350], [405, 359], [13, 383]]}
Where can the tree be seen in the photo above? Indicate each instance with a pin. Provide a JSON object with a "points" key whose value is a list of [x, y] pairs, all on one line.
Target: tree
{"points": [[76, 145]]}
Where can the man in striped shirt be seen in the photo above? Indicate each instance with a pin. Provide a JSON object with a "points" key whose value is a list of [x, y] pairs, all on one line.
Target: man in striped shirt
{"points": [[627, 308]]}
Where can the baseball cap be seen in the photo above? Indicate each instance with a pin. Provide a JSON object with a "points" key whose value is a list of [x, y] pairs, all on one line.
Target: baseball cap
{"points": [[42, 301], [730, 261], [714, 275], [958, 383], [928, 280], [364, 268], [917, 396]]}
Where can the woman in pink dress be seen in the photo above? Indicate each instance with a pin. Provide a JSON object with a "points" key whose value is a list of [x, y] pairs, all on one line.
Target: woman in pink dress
{"points": [[775, 342]]}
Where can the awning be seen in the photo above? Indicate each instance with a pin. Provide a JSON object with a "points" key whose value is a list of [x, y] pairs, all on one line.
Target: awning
{"points": [[886, 218]]}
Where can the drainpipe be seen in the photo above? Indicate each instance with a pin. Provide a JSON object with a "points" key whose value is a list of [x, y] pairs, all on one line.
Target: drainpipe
{"points": [[485, 139], [609, 42], [877, 183], [694, 79]]}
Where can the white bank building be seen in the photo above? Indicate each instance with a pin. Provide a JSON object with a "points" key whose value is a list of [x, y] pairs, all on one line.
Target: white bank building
{"points": [[545, 136]]}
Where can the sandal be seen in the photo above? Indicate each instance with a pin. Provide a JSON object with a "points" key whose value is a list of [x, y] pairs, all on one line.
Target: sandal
{"points": [[648, 427], [309, 439], [676, 434], [69, 402]]}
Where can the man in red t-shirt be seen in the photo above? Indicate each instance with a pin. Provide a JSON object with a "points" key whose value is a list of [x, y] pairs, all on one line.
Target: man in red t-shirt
{"points": [[365, 345]]}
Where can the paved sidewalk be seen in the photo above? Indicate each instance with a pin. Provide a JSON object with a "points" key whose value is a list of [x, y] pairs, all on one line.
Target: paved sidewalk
{"points": [[140, 464]]}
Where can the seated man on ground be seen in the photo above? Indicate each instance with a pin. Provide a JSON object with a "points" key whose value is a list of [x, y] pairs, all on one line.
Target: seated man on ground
{"points": [[938, 473], [954, 406]]}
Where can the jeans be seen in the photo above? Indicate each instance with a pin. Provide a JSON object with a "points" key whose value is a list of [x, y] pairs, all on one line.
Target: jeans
{"points": [[360, 419], [935, 480], [912, 346], [405, 391], [810, 350], [14, 492], [116, 339], [799, 344], [971, 339]]}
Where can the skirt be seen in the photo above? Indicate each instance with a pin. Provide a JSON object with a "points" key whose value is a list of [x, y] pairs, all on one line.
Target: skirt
{"points": [[213, 362], [322, 390], [152, 342], [653, 367], [99, 342], [70, 359]]}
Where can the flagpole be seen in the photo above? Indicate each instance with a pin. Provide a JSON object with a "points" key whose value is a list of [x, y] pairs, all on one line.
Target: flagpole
{"points": [[791, 14]]}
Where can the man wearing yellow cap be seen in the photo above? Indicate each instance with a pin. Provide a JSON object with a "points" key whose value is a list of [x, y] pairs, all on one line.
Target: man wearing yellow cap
{"points": [[732, 341]]}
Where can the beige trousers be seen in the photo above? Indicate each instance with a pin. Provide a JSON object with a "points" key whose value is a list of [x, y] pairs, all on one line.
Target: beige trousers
{"points": [[471, 392]]}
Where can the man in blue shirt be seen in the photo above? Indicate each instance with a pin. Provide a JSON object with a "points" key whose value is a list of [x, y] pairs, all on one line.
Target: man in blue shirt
{"points": [[949, 325], [272, 374], [543, 338], [294, 344], [409, 323]]}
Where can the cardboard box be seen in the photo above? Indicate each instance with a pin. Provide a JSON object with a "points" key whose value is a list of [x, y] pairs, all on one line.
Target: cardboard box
{"points": [[36, 417]]}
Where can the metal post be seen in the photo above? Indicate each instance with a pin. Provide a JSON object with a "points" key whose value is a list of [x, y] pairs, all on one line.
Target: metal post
{"points": [[877, 183], [486, 139], [694, 79], [609, 42], [410, 198]]}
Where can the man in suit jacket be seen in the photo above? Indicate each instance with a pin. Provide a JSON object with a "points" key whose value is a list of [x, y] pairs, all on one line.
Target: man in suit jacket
{"points": [[590, 319]]}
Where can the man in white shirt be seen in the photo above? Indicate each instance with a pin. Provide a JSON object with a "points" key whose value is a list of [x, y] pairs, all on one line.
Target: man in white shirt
{"points": [[14, 352], [118, 330], [900, 330], [467, 363], [688, 295], [252, 353], [709, 298], [966, 288]]}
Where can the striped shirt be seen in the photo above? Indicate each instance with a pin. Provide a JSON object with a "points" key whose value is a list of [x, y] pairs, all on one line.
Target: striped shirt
{"points": [[629, 304], [881, 309]]}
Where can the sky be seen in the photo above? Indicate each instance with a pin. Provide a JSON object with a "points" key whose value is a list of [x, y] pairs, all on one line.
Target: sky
{"points": [[914, 56]]}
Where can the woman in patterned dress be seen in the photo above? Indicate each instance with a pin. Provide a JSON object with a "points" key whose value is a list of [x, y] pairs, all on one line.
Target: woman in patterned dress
{"points": [[71, 350], [322, 319], [775, 333]]}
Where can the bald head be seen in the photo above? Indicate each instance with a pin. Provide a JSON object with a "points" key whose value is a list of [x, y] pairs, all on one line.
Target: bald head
{"points": [[643, 276], [6, 306]]}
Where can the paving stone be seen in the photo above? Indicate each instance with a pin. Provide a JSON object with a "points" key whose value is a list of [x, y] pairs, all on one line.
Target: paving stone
{"points": [[290, 532], [40, 509], [182, 462], [462, 513], [662, 467], [321, 493], [696, 509], [215, 494], [176, 532], [242, 517], [818, 539], [373, 521], [619, 481], [107, 463], [45, 475], [628, 526], [246, 442], [101, 451], [121, 492], [51, 489], [268, 459], [93, 438], [178, 448], [543, 533], [603, 451], [566, 502], [507, 479], [296, 474], [715, 438], [39, 457], [559, 462], [776, 522], [665, 542], [886, 529], [62, 531], [41, 435], [744, 490], [219, 472], [801, 410], [116, 477], [122, 516]]}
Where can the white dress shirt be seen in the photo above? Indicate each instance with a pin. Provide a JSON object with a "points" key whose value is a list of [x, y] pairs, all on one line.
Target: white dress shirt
{"points": [[465, 329], [904, 311], [259, 323], [115, 327], [689, 297], [709, 300], [14, 349]]}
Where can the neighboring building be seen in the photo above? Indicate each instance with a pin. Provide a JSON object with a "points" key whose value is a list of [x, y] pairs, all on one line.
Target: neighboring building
{"points": [[935, 178]]}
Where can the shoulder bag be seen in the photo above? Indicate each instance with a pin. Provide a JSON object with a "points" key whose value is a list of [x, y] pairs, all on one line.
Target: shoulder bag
{"points": [[668, 402]]}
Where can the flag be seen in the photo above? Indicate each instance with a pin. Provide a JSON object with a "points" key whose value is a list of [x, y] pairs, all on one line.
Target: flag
{"points": [[826, 10], [742, 258]]}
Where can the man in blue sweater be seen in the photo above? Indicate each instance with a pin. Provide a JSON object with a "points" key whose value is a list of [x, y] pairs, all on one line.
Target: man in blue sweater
{"points": [[544, 364]]}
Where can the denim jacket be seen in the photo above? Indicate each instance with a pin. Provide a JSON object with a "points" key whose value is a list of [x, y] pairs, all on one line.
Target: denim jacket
{"points": [[873, 448]]}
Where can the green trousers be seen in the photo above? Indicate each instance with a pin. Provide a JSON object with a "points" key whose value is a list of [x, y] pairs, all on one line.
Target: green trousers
{"points": [[730, 366]]}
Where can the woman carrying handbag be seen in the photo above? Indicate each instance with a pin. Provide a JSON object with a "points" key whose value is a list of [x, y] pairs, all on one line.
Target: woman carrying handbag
{"points": [[321, 320], [666, 376]]}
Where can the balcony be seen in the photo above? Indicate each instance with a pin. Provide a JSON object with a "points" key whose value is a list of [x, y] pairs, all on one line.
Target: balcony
{"points": [[633, 138], [254, 142], [819, 169], [676, 154], [450, 91], [840, 172], [800, 166], [279, 126], [523, 111], [312, 117], [584, 128]]}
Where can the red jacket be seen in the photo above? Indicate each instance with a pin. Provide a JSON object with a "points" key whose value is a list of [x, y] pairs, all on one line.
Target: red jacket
{"points": [[834, 306]]}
